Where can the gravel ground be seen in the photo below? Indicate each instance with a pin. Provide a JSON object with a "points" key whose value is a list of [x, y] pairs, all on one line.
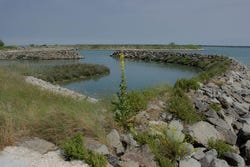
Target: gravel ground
{"points": [[18, 156]]}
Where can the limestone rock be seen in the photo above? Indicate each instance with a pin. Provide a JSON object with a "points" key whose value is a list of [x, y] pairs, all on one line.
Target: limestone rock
{"points": [[40, 145], [189, 163], [113, 139], [202, 131]]}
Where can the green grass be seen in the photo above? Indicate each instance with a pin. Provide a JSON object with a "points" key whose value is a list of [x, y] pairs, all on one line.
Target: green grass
{"points": [[220, 146], [166, 149], [74, 148], [26, 110], [215, 107], [60, 73], [180, 105], [187, 84]]}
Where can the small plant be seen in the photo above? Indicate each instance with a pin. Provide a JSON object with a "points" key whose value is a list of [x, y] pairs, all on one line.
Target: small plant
{"points": [[74, 149], [180, 105], [166, 148], [220, 146], [1, 43], [122, 109], [187, 84], [215, 107]]}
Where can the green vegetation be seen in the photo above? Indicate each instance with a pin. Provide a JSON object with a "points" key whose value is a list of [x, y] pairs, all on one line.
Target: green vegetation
{"points": [[137, 46], [187, 84], [180, 105], [74, 149], [166, 148], [26, 110], [1, 43], [60, 73], [220, 146], [215, 107]]}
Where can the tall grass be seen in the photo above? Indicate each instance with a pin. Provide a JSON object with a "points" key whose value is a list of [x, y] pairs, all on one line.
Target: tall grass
{"points": [[28, 110]]}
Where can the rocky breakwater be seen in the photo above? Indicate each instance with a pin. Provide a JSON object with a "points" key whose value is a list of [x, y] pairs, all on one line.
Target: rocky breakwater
{"points": [[190, 59], [224, 103], [39, 54]]}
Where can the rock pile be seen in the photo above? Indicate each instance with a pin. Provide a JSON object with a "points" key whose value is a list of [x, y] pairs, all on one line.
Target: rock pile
{"points": [[39, 54]]}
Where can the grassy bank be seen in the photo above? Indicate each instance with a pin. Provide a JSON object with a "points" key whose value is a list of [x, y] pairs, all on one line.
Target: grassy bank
{"points": [[25, 110], [60, 73]]}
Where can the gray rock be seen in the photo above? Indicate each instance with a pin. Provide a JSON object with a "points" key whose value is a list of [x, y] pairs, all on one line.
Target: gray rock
{"points": [[244, 133], [189, 163], [113, 139], [225, 101], [234, 159], [240, 108], [197, 132], [199, 153], [245, 151], [211, 114], [229, 136], [139, 158], [218, 163], [219, 122], [102, 149], [129, 140], [128, 164], [40, 145], [208, 158]]}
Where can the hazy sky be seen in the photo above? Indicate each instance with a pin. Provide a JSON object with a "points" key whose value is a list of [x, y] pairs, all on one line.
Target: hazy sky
{"points": [[125, 21]]}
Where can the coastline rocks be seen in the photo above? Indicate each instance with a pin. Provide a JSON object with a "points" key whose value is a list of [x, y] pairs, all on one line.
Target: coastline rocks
{"points": [[57, 89], [202, 131], [39, 54]]}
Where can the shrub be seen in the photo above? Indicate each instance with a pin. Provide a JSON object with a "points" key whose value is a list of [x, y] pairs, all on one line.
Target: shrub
{"points": [[215, 107], [74, 149], [166, 148], [1, 43], [220, 146], [180, 105], [187, 84]]}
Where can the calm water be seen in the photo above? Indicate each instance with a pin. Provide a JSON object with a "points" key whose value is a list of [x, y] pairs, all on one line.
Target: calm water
{"points": [[139, 75]]}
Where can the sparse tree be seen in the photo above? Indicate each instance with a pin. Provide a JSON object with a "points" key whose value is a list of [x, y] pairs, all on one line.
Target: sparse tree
{"points": [[1, 43]]}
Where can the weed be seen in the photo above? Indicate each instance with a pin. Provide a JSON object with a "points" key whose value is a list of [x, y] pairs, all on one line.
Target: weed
{"points": [[187, 84], [73, 148], [215, 107], [220, 146], [180, 105]]}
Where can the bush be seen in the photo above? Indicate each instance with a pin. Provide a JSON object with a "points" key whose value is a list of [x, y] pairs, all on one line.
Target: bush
{"points": [[187, 84], [1, 43], [165, 147], [220, 146], [74, 149], [180, 105]]}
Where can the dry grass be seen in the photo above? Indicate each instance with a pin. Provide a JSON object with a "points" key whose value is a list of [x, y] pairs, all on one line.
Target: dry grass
{"points": [[27, 110]]}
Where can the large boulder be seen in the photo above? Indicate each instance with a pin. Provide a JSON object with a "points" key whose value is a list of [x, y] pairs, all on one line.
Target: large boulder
{"points": [[203, 131], [234, 159], [113, 139], [245, 151]]}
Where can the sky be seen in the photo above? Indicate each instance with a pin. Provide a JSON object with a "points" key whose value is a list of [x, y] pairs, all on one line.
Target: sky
{"points": [[212, 22]]}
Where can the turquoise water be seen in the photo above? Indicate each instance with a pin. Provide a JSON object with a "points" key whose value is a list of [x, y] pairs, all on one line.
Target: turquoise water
{"points": [[139, 75]]}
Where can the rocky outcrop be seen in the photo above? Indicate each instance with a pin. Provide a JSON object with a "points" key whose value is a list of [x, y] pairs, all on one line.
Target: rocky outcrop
{"points": [[39, 54]]}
